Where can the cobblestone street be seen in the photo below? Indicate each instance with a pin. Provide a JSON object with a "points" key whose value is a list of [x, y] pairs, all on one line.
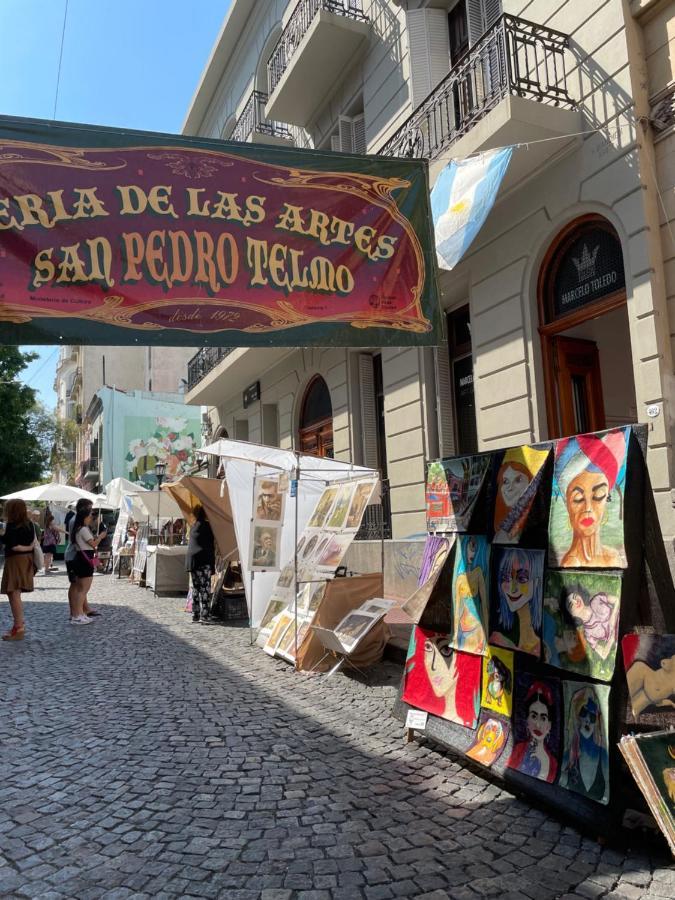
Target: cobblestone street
{"points": [[143, 756]]}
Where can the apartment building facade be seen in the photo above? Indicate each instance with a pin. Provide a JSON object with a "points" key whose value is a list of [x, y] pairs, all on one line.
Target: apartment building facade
{"points": [[560, 318]]}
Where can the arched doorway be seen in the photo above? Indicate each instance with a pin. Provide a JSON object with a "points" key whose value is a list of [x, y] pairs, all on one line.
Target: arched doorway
{"points": [[586, 351], [316, 419]]}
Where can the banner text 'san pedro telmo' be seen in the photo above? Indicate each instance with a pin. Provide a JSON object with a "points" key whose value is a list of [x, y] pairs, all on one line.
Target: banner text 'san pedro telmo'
{"points": [[110, 237]]}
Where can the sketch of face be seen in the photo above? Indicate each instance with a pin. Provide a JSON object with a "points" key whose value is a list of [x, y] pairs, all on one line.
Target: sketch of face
{"points": [[470, 552], [514, 485], [267, 541], [438, 665], [586, 502], [576, 607], [519, 586], [587, 720], [538, 721]]}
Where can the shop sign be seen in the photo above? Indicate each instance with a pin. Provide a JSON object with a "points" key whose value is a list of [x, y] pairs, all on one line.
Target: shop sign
{"points": [[591, 268], [251, 394], [110, 237]]}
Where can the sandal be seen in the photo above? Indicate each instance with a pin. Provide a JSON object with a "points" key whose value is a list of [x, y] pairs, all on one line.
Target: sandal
{"points": [[16, 634]]}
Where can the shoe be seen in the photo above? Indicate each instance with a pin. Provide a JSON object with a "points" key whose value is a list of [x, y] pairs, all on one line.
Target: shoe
{"points": [[16, 634], [80, 620], [195, 620], [92, 613]]}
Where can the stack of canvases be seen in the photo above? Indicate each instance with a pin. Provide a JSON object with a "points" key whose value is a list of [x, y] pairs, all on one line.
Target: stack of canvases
{"points": [[517, 638], [320, 550]]}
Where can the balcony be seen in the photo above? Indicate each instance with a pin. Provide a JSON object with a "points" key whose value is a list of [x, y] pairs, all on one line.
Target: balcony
{"points": [[203, 361], [510, 88], [217, 374], [315, 48], [253, 127]]}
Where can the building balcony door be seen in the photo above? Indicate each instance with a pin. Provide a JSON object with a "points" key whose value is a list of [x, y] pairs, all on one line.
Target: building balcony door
{"points": [[316, 420], [579, 382]]}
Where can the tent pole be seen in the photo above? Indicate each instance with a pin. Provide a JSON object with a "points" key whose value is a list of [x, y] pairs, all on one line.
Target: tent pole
{"points": [[382, 530], [295, 554], [250, 615]]}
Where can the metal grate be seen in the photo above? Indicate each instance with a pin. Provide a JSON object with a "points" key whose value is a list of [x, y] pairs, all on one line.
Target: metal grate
{"points": [[203, 361], [252, 119], [376, 521]]}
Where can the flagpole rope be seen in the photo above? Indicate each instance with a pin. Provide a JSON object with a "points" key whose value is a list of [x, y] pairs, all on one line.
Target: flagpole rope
{"points": [[58, 74]]}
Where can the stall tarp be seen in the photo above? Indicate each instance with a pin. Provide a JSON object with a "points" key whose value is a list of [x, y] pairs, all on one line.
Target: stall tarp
{"points": [[118, 487], [156, 505], [214, 497]]}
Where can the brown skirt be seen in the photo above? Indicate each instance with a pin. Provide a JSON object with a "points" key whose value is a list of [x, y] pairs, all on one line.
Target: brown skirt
{"points": [[18, 574]]}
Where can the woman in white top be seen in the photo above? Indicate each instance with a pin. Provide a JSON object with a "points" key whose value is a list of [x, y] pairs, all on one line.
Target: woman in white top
{"points": [[80, 565]]}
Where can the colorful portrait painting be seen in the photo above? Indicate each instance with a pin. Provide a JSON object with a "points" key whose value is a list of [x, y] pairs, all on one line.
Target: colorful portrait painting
{"points": [[452, 488], [498, 683], [436, 552], [536, 727], [649, 661], [586, 520], [516, 609], [440, 680], [343, 502], [491, 739], [585, 759], [581, 621], [269, 501], [518, 481], [651, 760], [470, 580], [362, 494], [323, 507]]}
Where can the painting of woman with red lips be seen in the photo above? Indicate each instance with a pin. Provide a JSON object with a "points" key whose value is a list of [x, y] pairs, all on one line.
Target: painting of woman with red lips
{"points": [[440, 680], [536, 727]]}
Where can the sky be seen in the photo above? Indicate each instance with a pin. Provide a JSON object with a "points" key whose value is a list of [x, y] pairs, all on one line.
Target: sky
{"points": [[125, 63]]}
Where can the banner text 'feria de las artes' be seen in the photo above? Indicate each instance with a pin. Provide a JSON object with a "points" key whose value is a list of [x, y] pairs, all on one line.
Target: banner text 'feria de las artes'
{"points": [[110, 237]]}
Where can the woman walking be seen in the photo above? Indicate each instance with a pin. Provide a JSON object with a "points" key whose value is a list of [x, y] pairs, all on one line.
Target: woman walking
{"points": [[50, 540], [201, 563], [17, 575], [80, 564]]}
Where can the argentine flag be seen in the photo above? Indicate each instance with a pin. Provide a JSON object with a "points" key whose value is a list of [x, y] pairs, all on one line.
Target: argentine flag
{"points": [[462, 197]]}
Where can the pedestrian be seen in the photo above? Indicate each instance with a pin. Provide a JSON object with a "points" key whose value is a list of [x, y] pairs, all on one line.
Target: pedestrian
{"points": [[201, 563], [50, 540], [17, 576], [80, 563]]}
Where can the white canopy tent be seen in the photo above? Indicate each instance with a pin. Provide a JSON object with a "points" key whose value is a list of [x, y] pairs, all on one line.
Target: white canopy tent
{"points": [[54, 493], [243, 463], [115, 490]]}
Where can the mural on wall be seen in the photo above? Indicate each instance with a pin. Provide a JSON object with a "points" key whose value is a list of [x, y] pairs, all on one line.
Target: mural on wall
{"points": [[452, 488], [518, 480], [536, 727], [586, 520], [585, 760], [581, 621], [441, 681], [515, 616], [172, 440], [470, 581], [649, 661]]}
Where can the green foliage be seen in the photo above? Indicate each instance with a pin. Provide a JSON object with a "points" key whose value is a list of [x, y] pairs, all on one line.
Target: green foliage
{"points": [[26, 429], [66, 433]]}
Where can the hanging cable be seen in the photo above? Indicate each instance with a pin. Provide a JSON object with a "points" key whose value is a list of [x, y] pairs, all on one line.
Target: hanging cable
{"points": [[58, 74]]}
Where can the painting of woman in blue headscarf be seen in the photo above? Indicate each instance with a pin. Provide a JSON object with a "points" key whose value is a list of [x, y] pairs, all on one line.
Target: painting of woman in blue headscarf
{"points": [[586, 521], [517, 605], [585, 764], [470, 593]]}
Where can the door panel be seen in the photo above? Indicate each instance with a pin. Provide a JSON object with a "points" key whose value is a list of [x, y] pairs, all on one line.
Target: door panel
{"points": [[579, 386]]}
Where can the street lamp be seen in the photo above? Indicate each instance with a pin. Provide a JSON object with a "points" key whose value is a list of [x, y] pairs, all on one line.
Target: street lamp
{"points": [[160, 472]]}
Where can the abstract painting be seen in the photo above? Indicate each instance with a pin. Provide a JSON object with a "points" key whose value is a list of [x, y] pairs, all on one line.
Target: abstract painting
{"points": [[440, 680], [536, 727], [436, 552], [497, 694], [516, 609], [518, 481], [586, 520], [649, 661], [585, 759], [470, 586], [452, 488], [651, 759], [581, 621], [491, 739]]}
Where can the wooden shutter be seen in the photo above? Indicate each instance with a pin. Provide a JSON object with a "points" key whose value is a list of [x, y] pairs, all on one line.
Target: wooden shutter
{"points": [[428, 50], [444, 407], [368, 410], [492, 10], [335, 143], [474, 13], [346, 134]]}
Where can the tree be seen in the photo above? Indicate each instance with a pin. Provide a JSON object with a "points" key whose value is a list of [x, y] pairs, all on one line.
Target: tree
{"points": [[25, 435]]}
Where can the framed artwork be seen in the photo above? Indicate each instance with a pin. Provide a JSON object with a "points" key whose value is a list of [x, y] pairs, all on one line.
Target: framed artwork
{"points": [[440, 680], [378, 606], [517, 483], [651, 760], [287, 576], [491, 739], [343, 501], [265, 543], [470, 580], [335, 549], [436, 552], [452, 488], [516, 609], [585, 758], [269, 500], [362, 494], [581, 621], [649, 661], [286, 646], [586, 519], [274, 607], [536, 727], [497, 693], [323, 507], [279, 627], [353, 627]]}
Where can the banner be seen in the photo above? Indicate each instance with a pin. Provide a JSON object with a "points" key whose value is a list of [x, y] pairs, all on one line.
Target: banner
{"points": [[110, 237]]}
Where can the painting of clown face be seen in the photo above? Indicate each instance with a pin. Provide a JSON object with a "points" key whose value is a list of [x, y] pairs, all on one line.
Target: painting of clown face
{"points": [[491, 739]]}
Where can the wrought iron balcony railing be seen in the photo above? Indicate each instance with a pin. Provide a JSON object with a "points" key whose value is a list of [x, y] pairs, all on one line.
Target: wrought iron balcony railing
{"points": [[203, 361], [514, 57], [252, 119], [297, 28]]}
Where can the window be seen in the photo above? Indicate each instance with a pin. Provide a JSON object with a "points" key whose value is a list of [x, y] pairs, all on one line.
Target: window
{"points": [[270, 424], [241, 429], [461, 371], [350, 136], [316, 420]]}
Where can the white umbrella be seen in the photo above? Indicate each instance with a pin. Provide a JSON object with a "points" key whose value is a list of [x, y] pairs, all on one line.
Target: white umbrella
{"points": [[101, 502], [56, 493], [115, 490]]}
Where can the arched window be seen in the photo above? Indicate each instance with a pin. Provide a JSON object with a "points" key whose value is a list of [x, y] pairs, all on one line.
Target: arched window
{"points": [[316, 419]]}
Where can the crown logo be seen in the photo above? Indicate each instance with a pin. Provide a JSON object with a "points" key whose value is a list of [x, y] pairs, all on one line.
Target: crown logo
{"points": [[585, 265]]}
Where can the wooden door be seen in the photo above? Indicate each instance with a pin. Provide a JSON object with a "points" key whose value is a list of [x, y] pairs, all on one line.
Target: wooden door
{"points": [[317, 439], [579, 386]]}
